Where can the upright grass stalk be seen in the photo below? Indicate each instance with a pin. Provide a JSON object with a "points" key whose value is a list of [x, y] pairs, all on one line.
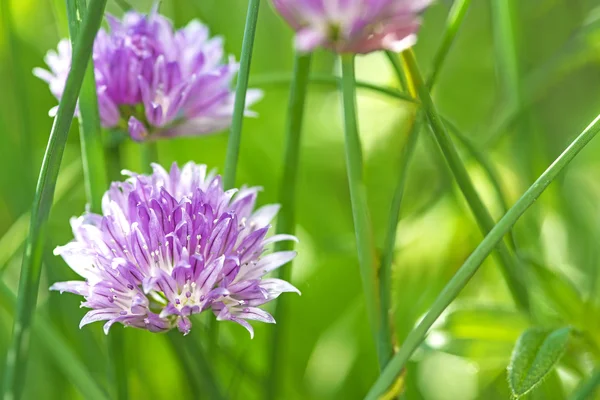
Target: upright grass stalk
{"points": [[92, 153], [455, 19], [235, 135], [58, 348], [482, 215], [95, 179], [472, 264], [358, 198], [17, 354], [286, 222]]}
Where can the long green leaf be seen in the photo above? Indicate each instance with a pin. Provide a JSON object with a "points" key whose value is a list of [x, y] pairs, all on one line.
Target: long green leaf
{"points": [[472, 264], [32, 260], [235, 135], [534, 356], [58, 348], [286, 222]]}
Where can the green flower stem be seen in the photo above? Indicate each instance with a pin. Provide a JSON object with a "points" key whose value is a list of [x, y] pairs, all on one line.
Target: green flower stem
{"points": [[287, 198], [358, 197], [235, 136], [482, 215], [385, 268], [58, 348], [197, 368], [587, 388], [472, 264], [92, 156], [455, 19], [112, 152], [32, 261], [118, 370], [149, 156]]}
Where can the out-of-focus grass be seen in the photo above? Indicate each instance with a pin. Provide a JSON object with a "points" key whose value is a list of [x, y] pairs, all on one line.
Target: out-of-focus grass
{"points": [[329, 355]]}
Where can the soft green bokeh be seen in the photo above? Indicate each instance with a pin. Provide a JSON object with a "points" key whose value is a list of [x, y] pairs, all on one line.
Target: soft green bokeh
{"points": [[329, 353]]}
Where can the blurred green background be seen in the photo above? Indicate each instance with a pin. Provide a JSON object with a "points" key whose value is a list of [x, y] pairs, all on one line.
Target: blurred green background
{"points": [[328, 351]]}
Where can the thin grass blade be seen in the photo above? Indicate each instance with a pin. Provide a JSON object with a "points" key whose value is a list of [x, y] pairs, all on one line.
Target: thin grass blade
{"points": [[455, 19], [472, 264], [484, 220], [32, 261], [235, 135]]}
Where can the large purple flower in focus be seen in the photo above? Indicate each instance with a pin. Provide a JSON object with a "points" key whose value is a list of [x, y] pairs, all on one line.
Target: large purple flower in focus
{"points": [[353, 26], [154, 81], [174, 244]]}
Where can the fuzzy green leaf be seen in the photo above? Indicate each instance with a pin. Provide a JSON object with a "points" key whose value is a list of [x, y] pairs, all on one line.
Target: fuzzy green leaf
{"points": [[534, 356]]}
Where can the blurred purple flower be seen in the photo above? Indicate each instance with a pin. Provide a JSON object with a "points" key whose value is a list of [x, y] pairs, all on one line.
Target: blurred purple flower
{"points": [[153, 81], [353, 26], [174, 244]]}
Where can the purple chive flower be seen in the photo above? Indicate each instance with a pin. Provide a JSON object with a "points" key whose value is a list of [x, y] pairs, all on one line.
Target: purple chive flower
{"points": [[174, 244], [154, 81], [353, 26]]}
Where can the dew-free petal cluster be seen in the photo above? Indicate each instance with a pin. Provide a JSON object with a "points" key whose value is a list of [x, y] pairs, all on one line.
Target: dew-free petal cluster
{"points": [[173, 244], [353, 26], [153, 81]]}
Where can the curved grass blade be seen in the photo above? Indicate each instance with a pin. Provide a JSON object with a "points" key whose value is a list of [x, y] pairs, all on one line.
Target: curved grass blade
{"points": [[482, 216], [55, 345], [286, 222], [235, 135], [32, 261], [472, 264], [534, 356]]}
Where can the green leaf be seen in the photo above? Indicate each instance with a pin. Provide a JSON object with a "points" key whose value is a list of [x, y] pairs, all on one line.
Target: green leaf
{"points": [[536, 353]]}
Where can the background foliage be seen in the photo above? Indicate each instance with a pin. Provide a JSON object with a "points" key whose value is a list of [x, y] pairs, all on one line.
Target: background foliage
{"points": [[328, 350]]}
